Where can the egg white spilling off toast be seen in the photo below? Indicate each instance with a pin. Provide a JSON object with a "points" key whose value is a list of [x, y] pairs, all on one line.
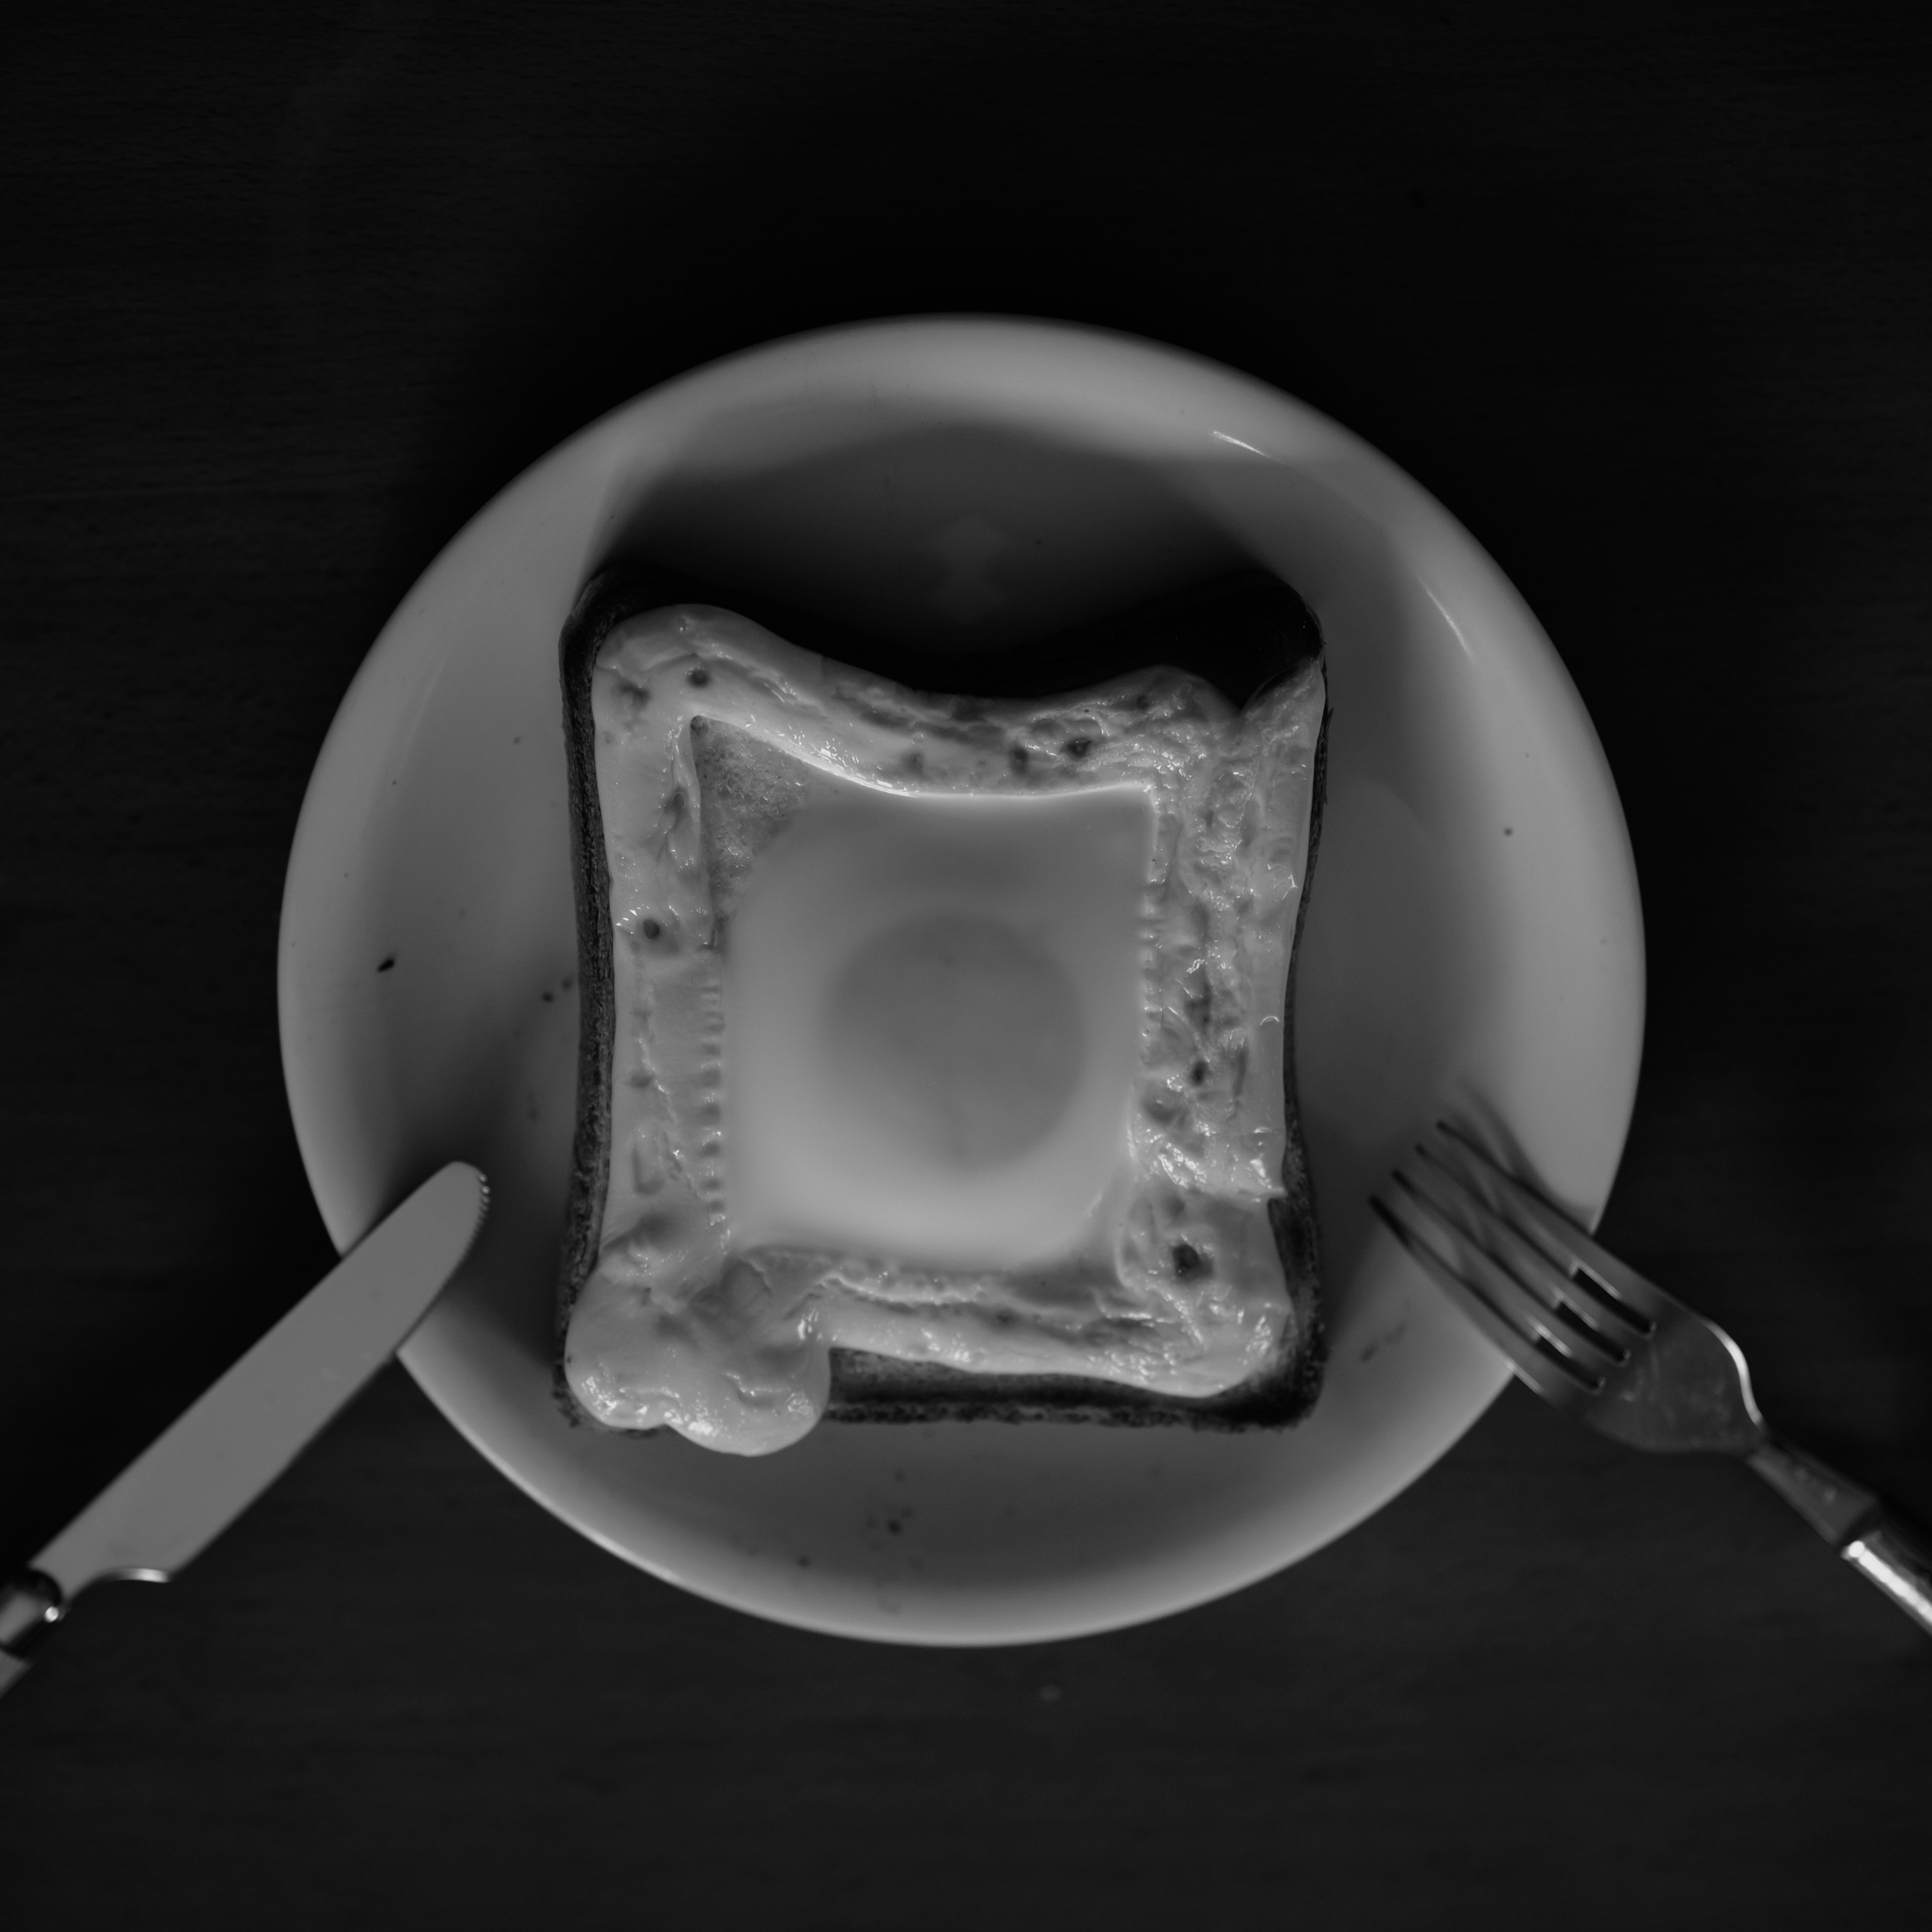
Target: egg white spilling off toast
{"points": [[936, 1053]]}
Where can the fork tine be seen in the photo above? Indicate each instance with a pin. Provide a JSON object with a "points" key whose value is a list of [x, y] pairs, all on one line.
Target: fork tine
{"points": [[1618, 1328], [1574, 1248], [1550, 1330], [1549, 1378]]}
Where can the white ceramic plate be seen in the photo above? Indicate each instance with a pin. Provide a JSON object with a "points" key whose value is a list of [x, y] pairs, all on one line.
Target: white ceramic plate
{"points": [[1474, 939]]}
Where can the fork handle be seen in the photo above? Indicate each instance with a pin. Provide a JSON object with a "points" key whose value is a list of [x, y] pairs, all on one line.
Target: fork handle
{"points": [[1899, 1564], [1854, 1523]]}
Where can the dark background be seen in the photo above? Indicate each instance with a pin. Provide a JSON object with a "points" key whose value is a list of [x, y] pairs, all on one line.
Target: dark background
{"points": [[1643, 293]]}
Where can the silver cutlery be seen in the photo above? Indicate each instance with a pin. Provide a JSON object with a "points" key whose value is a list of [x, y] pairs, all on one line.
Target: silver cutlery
{"points": [[1594, 1337], [195, 1478]]}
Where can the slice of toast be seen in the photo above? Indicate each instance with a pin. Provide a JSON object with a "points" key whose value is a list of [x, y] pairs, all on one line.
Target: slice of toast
{"points": [[703, 1286]]}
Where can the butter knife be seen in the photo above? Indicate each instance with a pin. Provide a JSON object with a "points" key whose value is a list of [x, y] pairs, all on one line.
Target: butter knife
{"points": [[201, 1473]]}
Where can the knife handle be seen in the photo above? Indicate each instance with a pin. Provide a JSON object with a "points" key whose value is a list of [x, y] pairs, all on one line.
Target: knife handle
{"points": [[30, 1604]]}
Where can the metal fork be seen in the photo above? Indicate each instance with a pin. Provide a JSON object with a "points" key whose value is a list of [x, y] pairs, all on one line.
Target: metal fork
{"points": [[1594, 1337]]}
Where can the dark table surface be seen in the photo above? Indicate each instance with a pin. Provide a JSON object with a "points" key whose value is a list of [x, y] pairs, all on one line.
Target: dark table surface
{"points": [[1643, 293]]}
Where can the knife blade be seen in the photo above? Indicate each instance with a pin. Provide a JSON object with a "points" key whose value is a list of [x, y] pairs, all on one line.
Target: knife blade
{"points": [[203, 1471]]}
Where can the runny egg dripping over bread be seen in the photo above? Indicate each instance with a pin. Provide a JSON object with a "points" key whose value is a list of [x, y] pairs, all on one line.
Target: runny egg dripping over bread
{"points": [[937, 1052]]}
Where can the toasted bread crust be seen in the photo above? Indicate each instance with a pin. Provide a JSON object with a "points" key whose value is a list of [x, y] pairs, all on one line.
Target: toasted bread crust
{"points": [[868, 1387]]}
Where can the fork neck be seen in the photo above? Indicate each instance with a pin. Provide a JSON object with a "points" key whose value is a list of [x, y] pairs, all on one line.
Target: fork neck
{"points": [[1833, 1506]]}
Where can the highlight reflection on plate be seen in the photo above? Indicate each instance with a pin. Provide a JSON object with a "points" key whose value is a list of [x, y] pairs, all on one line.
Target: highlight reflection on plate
{"points": [[1473, 937]]}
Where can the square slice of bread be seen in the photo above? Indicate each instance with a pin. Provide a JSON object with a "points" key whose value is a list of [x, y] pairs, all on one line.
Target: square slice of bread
{"points": [[1094, 1211]]}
